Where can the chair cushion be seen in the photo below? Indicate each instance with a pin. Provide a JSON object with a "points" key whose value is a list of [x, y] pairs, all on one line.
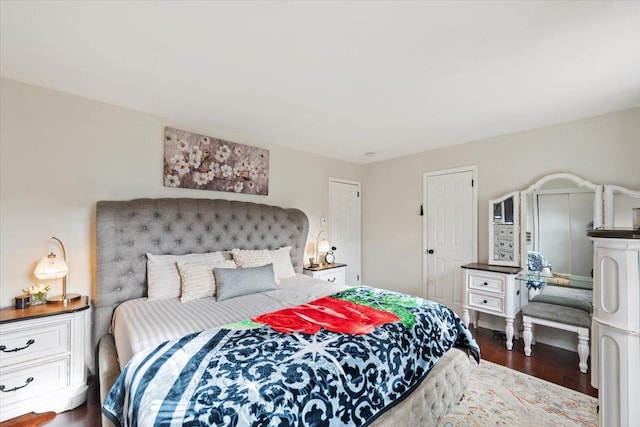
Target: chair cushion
{"points": [[563, 301], [557, 313]]}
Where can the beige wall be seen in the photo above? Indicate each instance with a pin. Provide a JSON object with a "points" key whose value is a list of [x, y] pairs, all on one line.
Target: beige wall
{"points": [[604, 149], [61, 153]]}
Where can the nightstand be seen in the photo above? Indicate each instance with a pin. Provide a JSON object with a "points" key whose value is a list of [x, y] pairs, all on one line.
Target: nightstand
{"points": [[493, 290], [334, 273], [42, 358]]}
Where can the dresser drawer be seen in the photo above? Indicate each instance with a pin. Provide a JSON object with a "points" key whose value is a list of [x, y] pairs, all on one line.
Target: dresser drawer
{"points": [[337, 275], [484, 302], [503, 255], [504, 231], [31, 381], [486, 282], [24, 343], [504, 245]]}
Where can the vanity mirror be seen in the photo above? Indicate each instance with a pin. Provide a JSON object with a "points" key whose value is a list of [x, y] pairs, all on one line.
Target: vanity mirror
{"points": [[552, 217], [618, 205], [557, 212], [504, 230]]}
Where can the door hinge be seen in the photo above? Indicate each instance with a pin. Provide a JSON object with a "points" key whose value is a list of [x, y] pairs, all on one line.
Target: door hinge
{"points": [[472, 183]]}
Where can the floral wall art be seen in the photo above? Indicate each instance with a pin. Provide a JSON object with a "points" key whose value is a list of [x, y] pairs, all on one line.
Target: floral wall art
{"points": [[206, 163]]}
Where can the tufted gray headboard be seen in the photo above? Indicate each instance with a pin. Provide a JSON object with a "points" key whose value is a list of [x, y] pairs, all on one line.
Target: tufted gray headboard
{"points": [[127, 230]]}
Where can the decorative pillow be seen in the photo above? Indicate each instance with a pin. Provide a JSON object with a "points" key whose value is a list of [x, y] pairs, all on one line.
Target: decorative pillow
{"points": [[280, 258], [282, 266], [251, 258], [231, 283], [197, 277], [246, 258], [163, 277]]}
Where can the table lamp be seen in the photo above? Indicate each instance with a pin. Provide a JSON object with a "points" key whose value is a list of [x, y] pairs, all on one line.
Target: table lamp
{"points": [[53, 267], [321, 246]]}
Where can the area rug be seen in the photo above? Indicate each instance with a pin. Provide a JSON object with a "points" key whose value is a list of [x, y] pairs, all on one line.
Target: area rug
{"points": [[499, 396]]}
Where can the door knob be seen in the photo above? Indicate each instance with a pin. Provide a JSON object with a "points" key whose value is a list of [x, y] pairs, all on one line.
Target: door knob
{"points": [[430, 251]]}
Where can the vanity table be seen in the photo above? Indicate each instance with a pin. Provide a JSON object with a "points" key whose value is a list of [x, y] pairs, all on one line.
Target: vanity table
{"points": [[493, 290], [571, 222]]}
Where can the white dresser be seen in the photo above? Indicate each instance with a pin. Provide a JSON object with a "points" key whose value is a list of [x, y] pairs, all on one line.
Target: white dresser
{"points": [[334, 273], [42, 363], [493, 290], [616, 325]]}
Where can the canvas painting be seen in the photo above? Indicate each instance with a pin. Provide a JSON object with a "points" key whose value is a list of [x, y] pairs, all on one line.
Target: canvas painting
{"points": [[206, 163]]}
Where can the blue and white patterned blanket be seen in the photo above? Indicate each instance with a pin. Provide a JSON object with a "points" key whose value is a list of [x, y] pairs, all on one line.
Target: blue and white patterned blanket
{"points": [[248, 374]]}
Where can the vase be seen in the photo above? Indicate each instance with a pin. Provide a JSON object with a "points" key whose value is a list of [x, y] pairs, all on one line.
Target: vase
{"points": [[38, 299]]}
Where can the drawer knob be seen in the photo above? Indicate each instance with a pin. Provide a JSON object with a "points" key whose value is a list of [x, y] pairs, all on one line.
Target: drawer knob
{"points": [[333, 279], [486, 284], [3, 348], [484, 301], [26, 383]]}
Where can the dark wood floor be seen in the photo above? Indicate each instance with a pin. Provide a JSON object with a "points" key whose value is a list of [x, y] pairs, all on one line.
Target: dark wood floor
{"points": [[549, 363]]}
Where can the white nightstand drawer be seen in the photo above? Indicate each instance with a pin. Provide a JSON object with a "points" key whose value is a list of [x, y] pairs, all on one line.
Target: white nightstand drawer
{"points": [[25, 342], [337, 276], [334, 273], [487, 282], [42, 358], [31, 381], [486, 302]]}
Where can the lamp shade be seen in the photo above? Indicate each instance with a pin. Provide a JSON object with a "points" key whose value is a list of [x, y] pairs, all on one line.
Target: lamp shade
{"points": [[323, 246], [51, 267]]}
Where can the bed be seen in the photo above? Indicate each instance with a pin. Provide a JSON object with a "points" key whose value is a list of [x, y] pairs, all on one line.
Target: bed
{"points": [[126, 231]]}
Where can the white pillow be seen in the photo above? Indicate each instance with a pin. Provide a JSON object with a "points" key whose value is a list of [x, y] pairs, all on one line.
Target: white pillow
{"points": [[282, 265], [248, 258], [197, 277], [163, 277]]}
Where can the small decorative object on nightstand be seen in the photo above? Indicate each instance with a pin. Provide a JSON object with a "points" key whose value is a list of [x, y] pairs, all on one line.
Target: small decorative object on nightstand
{"points": [[23, 301], [42, 358], [329, 257], [334, 273], [37, 294]]}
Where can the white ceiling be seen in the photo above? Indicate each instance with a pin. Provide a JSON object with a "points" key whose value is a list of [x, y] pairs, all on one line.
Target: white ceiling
{"points": [[336, 78]]}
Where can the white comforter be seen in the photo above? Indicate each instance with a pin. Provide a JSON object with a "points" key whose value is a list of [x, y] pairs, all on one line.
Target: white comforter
{"points": [[139, 324]]}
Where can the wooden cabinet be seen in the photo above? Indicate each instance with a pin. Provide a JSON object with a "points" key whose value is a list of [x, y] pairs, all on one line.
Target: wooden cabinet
{"points": [[615, 346], [334, 273], [42, 363], [492, 290]]}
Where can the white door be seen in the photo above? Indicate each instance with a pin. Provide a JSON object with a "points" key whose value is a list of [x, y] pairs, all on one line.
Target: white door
{"points": [[344, 232], [450, 218]]}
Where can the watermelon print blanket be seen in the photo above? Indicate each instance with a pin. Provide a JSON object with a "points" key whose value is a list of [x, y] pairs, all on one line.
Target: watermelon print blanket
{"points": [[340, 360]]}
